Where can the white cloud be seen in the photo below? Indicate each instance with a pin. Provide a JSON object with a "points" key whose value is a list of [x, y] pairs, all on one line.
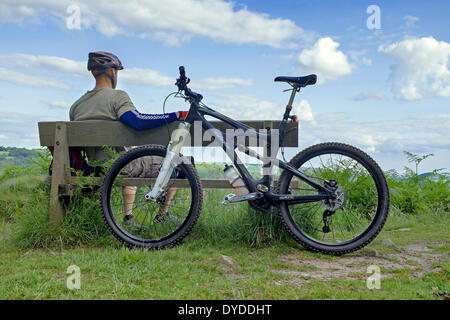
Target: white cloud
{"points": [[422, 133], [29, 80], [51, 63], [370, 95], [419, 133], [325, 60], [17, 14], [142, 76], [137, 76], [2, 136], [421, 68], [169, 21], [60, 104], [21, 129], [367, 61], [247, 107], [304, 112], [359, 56], [410, 21], [220, 83]]}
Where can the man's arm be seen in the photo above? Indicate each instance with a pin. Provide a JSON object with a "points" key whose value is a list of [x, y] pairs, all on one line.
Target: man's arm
{"points": [[127, 113], [141, 121]]}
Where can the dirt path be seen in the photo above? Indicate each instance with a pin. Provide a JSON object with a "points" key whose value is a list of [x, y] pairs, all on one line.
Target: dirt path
{"points": [[417, 258]]}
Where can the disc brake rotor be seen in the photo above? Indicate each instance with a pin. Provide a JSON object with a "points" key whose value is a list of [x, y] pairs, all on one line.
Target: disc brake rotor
{"points": [[335, 204]]}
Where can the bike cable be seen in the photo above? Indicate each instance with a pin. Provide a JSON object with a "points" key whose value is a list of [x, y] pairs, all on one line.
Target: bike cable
{"points": [[164, 111]]}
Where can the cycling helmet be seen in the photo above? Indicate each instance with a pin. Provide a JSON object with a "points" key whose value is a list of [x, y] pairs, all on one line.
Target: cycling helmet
{"points": [[99, 62]]}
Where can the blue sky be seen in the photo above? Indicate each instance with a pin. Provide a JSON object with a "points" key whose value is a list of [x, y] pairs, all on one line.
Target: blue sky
{"points": [[384, 90]]}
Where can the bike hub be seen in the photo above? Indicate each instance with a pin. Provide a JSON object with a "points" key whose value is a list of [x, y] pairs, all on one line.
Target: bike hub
{"points": [[337, 201]]}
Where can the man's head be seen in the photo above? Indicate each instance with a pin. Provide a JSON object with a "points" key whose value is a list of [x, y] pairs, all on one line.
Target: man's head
{"points": [[104, 65]]}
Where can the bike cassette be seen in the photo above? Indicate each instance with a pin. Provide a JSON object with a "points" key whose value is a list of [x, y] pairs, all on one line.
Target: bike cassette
{"points": [[336, 203]]}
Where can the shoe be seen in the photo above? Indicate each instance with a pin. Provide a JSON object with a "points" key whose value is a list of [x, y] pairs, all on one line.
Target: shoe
{"points": [[130, 222], [167, 218]]}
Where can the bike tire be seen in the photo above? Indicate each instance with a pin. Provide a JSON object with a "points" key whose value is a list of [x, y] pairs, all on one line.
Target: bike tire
{"points": [[170, 240], [379, 181]]}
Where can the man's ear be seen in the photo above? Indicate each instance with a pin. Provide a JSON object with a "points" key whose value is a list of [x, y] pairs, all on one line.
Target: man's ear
{"points": [[112, 72]]}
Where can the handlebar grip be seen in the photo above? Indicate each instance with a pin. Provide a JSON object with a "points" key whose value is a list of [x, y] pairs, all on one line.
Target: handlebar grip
{"points": [[182, 72]]}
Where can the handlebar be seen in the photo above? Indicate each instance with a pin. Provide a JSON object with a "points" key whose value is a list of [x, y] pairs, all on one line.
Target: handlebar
{"points": [[182, 86]]}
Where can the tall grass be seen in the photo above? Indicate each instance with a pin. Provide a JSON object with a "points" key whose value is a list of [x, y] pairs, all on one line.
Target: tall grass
{"points": [[24, 202], [412, 194], [237, 222]]}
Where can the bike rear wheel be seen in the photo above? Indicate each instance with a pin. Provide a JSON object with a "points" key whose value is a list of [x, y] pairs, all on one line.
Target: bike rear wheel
{"points": [[155, 225], [354, 218]]}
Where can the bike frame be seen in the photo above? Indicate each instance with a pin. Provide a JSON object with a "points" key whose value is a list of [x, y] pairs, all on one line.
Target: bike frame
{"points": [[258, 186]]}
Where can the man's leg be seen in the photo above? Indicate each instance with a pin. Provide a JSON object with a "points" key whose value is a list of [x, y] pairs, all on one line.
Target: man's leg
{"points": [[128, 196], [165, 207], [146, 168]]}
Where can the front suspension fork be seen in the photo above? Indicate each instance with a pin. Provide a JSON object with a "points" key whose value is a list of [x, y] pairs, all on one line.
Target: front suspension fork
{"points": [[171, 161]]}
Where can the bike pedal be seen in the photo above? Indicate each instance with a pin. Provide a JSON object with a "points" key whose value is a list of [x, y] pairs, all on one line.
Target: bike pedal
{"points": [[231, 197], [227, 198]]}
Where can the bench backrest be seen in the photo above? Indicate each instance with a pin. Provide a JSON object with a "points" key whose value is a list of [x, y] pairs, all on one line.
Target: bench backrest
{"points": [[115, 134], [63, 134]]}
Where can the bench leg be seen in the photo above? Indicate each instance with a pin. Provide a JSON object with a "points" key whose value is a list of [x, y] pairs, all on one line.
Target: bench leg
{"points": [[60, 173]]}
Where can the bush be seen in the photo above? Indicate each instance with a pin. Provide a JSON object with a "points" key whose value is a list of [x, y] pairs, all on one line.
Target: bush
{"points": [[24, 200], [413, 194]]}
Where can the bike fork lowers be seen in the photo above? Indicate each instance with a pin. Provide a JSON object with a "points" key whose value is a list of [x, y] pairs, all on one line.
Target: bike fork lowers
{"points": [[171, 161]]}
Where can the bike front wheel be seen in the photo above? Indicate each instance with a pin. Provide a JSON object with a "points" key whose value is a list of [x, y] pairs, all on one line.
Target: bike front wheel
{"points": [[341, 225], [139, 222]]}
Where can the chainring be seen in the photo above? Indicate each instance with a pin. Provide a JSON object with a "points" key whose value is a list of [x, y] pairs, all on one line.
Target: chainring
{"points": [[260, 205]]}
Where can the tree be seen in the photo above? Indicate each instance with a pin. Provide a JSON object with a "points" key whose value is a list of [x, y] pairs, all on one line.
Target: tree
{"points": [[416, 158]]}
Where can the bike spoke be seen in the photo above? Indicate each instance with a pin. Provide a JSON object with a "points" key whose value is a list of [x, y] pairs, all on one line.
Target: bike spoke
{"points": [[350, 218]]}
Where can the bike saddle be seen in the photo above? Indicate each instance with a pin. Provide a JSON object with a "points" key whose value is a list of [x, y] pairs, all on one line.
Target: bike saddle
{"points": [[299, 81]]}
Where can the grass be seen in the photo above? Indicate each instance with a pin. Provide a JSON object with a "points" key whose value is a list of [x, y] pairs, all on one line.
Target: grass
{"points": [[196, 270], [265, 262]]}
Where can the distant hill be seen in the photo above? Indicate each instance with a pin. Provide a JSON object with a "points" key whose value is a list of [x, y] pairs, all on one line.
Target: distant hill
{"points": [[21, 156], [433, 176], [18, 156]]}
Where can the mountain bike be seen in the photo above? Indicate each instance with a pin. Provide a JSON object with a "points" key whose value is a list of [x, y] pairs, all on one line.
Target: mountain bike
{"points": [[331, 197]]}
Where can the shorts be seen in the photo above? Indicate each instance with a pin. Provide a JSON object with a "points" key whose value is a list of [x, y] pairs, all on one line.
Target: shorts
{"points": [[144, 167]]}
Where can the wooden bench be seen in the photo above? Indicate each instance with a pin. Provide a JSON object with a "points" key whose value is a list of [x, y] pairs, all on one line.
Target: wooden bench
{"points": [[64, 134]]}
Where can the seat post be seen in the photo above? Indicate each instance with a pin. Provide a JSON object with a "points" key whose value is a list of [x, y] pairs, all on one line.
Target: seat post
{"points": [[294, 91], [289, 105]]}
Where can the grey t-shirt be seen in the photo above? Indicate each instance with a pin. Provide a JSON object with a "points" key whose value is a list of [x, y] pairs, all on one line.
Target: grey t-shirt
{"points": [[101, 104]]}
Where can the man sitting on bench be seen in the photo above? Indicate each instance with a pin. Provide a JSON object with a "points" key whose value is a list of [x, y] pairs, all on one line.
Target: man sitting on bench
{"points": [[106, 103]]}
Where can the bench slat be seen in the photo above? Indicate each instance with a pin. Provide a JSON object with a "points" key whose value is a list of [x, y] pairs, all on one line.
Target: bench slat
{"points": [[96, 181]]}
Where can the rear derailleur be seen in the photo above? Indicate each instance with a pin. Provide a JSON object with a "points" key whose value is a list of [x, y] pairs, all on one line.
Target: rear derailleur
{"points": [[326, 214]]}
